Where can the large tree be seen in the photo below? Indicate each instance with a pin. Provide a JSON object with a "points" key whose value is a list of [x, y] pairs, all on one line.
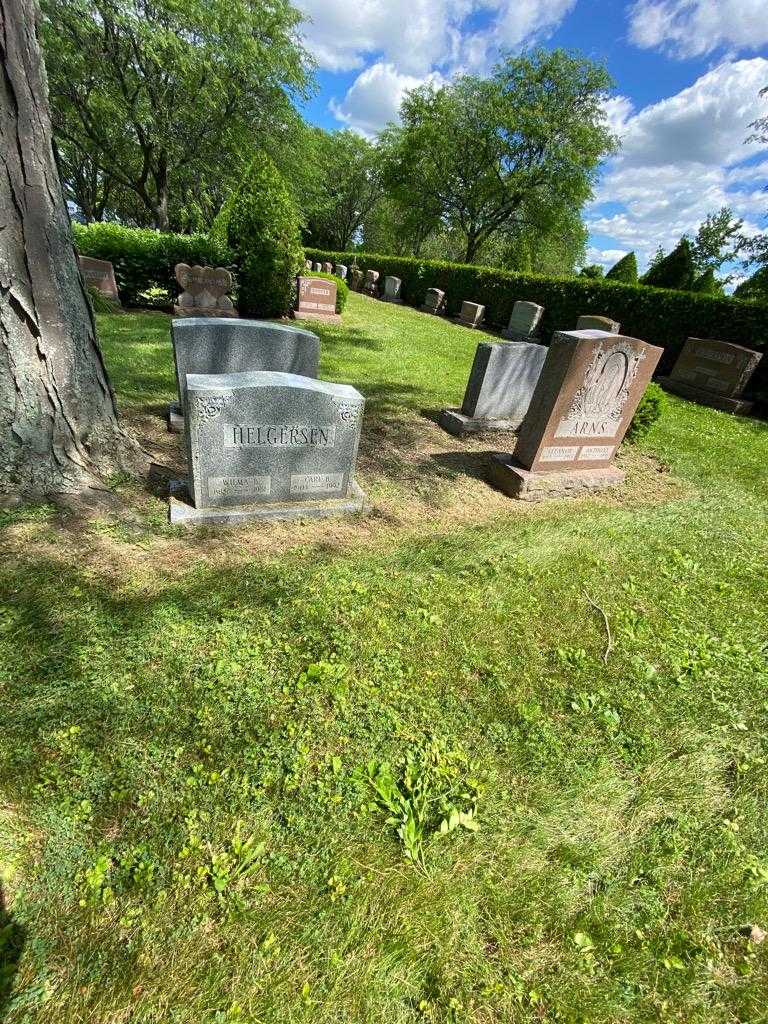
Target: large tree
{"points": [[489, 152], [161, 93], [59, 429]]}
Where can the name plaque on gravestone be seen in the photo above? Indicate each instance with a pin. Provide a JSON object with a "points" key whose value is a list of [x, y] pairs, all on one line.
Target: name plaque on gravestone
{"points": [[211, 345], [713, 368], [99, 274], [316, 300], [584, 401], [264, 437]]}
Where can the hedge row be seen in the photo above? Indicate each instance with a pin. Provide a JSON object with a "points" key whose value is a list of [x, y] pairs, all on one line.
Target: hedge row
{"points": [[145, 259], [658, 315]]}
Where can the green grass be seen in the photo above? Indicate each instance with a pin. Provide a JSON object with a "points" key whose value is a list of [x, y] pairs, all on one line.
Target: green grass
{"points": [[189, 831]]}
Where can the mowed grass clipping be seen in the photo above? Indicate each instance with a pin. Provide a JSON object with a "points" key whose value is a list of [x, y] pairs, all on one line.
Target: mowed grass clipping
{"points": [[500, 771]]}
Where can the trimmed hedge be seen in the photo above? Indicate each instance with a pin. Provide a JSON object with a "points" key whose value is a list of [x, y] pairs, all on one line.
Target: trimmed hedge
{"points": [[658, 315], [145, 259], [649, 411]]}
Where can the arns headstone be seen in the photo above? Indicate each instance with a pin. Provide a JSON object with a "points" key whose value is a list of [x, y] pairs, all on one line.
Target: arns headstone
{"points": [[586, 396]]}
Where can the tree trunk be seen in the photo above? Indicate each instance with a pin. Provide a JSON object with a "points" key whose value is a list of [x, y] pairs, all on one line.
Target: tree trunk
{"points": [[59, 430]]}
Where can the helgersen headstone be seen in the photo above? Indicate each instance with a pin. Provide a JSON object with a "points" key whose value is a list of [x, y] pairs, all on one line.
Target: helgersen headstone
{"points": [[584, 401], [524, 322], [316, 300], [713, 373], [500, 388], [269, 446], [597, 323], [99, 274], [211, 346]]}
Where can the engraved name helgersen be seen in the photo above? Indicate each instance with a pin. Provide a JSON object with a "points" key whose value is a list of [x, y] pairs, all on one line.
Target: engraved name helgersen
{"points": [[271, 435]]}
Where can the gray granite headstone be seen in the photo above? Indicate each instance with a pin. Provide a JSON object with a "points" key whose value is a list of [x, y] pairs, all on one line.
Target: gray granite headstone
{"points": [[524, 321], [341, 271], [392, 286], [317, 267], [212, 345], [434, 302], [260, 438], [597, 323], [472, 314], [501, 384]]}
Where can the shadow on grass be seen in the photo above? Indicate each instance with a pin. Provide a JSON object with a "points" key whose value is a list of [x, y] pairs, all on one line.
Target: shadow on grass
{"points": [[12, 937]]}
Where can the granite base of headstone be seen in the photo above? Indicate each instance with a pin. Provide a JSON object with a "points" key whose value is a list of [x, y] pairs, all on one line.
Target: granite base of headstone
{"points": [[472, 315], [500, 388], [316, 300], [268, 446], [435, 302], [597, 323], [524, 322], [204, 292], [585, 398], [714, 373], [210, 345], [99, 274], [392, 289]]}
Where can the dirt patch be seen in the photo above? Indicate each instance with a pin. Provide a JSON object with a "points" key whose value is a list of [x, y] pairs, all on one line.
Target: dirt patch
{"points": [[419, 481]]}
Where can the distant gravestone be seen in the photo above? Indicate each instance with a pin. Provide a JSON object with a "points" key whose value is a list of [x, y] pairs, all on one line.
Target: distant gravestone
{"points": [[269, 446], [586, 396], [356, 279], [99, 274], [392, 286], [500, 388], [211, 346], [598, 323], [713, 373], [524, 322], [434, 302], [203, 291], [316, 300], [328, 268], [308, 264], [318, 268], [341, 271], [472, 314], [372, 283]]}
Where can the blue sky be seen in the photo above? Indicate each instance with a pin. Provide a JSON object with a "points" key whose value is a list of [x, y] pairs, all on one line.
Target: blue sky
{"points": [[687, 73]]}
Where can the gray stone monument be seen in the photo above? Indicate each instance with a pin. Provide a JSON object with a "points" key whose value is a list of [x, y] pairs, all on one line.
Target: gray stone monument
{"points": [[714, 373], [524, 322], [213, 345], [317, 268], [341, 271], [371, 286], [472, 315], [434, 302], [392, 286], [268, 446], [503, 378], [597, 323]]}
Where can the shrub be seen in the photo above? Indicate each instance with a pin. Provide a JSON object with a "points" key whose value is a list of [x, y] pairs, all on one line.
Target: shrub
{"points": [[342, 288], [260, 223], [673, 271], [707, 284], [144, 259], [594, 270], [101, 303], [650, 409], [755, 288], [625, 270], [661, 316]]}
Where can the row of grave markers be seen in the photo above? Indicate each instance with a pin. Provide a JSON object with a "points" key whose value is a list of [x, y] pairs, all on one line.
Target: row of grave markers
{"points": [[266, 439]]}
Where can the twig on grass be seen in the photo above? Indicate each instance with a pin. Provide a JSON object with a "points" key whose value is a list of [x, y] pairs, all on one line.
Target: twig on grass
{"points": [[609, 646]]}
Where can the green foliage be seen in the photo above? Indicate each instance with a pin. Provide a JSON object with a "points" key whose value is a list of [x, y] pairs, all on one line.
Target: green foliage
{"points": [[649, 411], [707, 284], [674, 271], [260, 224], [755, 288], [482, 156], [625, 271], [661, 316], [342, 288], [594, 271], [100, 303], [718, 241], [145, 259]]}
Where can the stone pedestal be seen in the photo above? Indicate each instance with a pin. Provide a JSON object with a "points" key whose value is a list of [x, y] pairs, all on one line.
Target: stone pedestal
{"points": [[738, 406], [518, 482], [183, 513]]}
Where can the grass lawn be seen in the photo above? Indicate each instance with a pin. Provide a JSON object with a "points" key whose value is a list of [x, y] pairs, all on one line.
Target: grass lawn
{"points": [[226, 758]]}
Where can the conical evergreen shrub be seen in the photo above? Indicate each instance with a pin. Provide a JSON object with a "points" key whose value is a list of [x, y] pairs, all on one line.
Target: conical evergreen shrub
{"points": [[707, 284], [624, 271], [674, 271], [260, 222]]}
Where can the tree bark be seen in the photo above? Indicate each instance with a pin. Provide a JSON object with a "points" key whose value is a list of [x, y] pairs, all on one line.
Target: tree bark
{"points": [[59, 429]]}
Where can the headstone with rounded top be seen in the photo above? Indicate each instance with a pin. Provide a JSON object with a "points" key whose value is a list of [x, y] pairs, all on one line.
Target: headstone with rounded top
{"points": [[356, 279], [714, 373], [472, 315], [204, 292], [524, 322], [308, 264], [328, 268], [585, 398], [341, 271], [392, 287], [268, 446], [318, 268], [597, 323], [434, 302]]}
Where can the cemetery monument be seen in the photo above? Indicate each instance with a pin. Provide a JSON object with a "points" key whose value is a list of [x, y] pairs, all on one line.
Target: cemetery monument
{"points": [[472, 315], [204, 292], [316, 300], [372, 283], [392, 286], [99, 274], [597, 323], [713, 373], [524, 322], [434, 302]]}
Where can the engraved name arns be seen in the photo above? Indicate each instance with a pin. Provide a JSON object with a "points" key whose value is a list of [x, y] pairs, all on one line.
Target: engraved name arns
{"points": [[273, 435], [598, 405]]}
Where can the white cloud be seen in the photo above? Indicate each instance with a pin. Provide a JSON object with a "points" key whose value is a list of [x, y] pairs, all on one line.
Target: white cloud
{"points": [[606, 258], [374, 98], [419, 35], [691, 28], [679, 161]]}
